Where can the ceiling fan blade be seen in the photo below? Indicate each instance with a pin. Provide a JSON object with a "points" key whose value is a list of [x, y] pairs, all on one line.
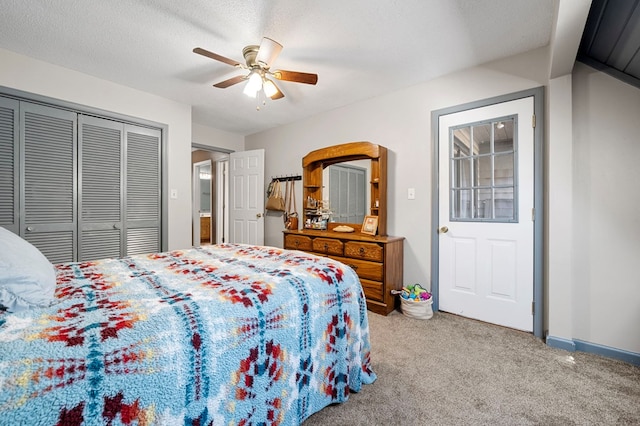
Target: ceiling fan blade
{"points": [[230, 82], [268, 52], [215, 56], [295, 76]]}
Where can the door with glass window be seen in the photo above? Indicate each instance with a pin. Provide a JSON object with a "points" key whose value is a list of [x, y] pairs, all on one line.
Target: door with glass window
{"points": [[486, 200]]}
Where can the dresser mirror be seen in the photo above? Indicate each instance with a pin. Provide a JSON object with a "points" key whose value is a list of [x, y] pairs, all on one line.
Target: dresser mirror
{"points": [[346, 190], [359, 177]]}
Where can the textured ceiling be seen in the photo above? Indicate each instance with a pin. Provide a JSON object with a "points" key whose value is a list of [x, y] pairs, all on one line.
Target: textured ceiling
{"points": [[358, 48]]}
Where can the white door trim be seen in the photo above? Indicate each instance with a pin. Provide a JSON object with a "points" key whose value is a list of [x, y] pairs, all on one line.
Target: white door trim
{"points": [[538, 95]]}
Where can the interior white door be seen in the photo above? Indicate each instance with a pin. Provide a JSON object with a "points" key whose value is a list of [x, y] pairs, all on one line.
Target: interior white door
{"points": [[485, 210], [246, 197]]}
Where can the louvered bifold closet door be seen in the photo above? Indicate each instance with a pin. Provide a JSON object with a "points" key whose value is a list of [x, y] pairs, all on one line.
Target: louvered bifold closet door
{"points": [[101, 196], [143, 184], [48, 186], [9, 164]]}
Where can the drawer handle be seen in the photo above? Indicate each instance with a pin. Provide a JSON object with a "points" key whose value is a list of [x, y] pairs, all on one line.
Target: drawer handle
{"points": [[297, 243], [326, 247], [362, 251], [354, 267]]}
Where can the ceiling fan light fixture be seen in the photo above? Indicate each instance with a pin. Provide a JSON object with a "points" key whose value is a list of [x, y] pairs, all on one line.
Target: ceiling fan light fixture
{"points": [[253, 85], [268, 52], [269, 88]]}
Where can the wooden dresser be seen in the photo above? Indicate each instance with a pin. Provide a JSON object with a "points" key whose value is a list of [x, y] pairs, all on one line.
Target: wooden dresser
{"points": [[377, 260]]}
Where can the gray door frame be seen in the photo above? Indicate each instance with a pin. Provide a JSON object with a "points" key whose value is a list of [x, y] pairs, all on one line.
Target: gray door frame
{"points": [[538, 195]]}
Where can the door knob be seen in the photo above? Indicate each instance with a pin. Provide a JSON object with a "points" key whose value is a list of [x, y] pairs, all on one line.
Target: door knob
{"points": [[444, 230], [29, 228], [259, 215]]}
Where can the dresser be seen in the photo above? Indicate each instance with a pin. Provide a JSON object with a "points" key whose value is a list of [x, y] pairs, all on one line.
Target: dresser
{"points": [[376, 259]]}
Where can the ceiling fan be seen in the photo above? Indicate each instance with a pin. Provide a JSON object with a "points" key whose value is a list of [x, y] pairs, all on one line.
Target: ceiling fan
{"points": [[259, 60]]}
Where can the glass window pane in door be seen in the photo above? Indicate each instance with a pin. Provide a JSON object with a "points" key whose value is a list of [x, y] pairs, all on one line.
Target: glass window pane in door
{"points": [[504, 203], [461, 204], [482, 171], [503, 136], [483, 203], [461, 170], [482, 139], [461, 142], [503, 169]]}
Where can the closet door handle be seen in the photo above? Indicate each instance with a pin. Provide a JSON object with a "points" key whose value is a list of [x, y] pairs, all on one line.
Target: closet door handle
{"points": [[29, 228]]}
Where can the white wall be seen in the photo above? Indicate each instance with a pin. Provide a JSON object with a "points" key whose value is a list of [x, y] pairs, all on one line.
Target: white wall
{"points": [[401, 122], [29, 75], [605, 295], [204, 135], [558, 202]]}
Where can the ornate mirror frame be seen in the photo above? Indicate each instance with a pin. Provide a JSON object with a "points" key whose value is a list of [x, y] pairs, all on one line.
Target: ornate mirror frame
{"points": [[314, 163]]}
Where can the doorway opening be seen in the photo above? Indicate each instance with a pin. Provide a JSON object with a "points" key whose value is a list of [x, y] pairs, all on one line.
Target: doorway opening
{"points": [[210, 195]]}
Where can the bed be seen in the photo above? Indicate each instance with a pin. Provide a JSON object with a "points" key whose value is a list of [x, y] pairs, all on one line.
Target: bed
{"points": [[225, 334]]}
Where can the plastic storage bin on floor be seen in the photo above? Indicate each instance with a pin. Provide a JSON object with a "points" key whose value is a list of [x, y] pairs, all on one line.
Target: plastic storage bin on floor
{"points": [[417, 309]]}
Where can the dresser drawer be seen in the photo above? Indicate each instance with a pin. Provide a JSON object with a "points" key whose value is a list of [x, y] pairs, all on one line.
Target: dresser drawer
{"points": [[372, 289], [364, 269], [328, 246], [360, 250], [297, 242]]}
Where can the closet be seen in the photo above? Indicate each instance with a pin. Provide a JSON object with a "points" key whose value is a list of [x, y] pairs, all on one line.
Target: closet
{"points": [[76, 186]]}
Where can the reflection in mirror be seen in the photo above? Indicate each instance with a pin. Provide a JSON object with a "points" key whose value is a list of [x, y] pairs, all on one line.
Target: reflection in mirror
{"points": [[205, 189], [346, 188]]}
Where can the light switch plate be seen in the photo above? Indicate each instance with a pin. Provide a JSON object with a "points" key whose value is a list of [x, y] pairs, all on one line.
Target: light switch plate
{"points": [[174, 194], [411, 193]]}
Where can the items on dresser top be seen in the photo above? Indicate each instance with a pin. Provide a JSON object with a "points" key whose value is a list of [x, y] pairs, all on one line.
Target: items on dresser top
{"points": [[343, 228]]}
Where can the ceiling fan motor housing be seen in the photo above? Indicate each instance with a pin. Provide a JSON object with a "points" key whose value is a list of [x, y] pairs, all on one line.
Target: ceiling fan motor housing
{"points": [[250, 53]]}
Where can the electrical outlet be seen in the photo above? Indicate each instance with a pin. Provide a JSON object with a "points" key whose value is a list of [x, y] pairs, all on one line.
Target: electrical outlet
{"points": [[411, 193]]}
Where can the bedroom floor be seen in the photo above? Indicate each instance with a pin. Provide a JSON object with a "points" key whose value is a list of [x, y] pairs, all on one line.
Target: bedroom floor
{"points": [[453, 370]]}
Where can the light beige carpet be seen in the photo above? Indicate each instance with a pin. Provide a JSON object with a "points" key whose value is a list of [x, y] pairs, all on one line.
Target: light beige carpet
{"points": [[450, 370]]}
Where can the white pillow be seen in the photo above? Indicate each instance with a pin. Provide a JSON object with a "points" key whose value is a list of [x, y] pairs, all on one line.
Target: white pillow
{"points": [[27, 278]]}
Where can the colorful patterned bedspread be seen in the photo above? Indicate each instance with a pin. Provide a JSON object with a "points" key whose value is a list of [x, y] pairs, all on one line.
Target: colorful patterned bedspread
{"points": [[217, 335]]}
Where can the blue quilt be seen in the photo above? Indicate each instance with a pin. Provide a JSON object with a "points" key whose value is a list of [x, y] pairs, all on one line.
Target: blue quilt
{"points": [[217, 335]]}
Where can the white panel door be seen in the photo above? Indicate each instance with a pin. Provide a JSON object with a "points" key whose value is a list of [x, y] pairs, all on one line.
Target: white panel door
{"points": [[246, 197], [485, 209]]}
